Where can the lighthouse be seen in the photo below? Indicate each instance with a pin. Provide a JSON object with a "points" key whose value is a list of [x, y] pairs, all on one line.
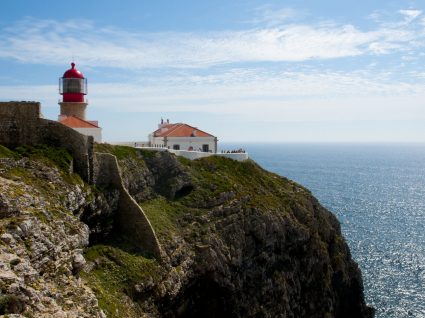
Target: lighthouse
{"points": [[73, 88]]}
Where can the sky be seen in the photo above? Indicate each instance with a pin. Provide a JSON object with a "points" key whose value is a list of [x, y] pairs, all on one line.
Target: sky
{"points": [[246, 71]]}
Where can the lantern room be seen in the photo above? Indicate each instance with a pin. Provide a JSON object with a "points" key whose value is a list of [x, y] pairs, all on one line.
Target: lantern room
{"points": [[73, 86]]}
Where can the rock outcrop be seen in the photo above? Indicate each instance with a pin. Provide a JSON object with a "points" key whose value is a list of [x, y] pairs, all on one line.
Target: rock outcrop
{"points": [[237, 241], [42, 241]]}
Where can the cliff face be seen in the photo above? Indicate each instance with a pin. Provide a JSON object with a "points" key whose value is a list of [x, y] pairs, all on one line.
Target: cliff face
{"points": [[238, 242], [42, 240]]}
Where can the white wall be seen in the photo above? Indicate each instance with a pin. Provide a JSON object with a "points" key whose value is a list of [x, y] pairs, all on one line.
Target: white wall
{"points": [[235, 156], [95, 132], [185, 142], [134, 143], [192, 155]]}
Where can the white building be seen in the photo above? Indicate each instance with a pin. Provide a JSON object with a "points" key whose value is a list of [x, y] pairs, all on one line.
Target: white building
{"points": [[85, 127], [182, 136]]}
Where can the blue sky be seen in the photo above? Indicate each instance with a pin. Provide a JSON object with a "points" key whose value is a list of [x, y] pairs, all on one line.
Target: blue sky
{"points": [[263, 71]]}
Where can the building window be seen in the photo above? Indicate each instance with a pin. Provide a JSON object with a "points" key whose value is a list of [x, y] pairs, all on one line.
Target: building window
{"points": [[176, 147], [205, 148]]}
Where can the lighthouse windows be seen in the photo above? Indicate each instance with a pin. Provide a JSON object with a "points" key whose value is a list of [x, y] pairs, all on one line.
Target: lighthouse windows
{"points": [[73, 85]]}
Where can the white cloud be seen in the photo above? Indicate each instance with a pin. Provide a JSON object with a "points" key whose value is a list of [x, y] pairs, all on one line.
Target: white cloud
{"points": [[410, 15], [375, 16], [52, 42], [383, 47], [271, 16], [256, 94]]}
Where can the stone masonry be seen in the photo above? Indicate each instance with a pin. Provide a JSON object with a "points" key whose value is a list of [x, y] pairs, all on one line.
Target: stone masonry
{"points": [[131, 220], [21, 124]]}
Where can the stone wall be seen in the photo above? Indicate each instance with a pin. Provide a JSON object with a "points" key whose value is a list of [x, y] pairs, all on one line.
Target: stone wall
{"points": [[79, 146], [21, 124], [130, 220]]}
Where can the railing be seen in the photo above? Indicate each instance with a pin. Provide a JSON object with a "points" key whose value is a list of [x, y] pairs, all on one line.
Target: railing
{"points": [[189, 154], [192, 155]]}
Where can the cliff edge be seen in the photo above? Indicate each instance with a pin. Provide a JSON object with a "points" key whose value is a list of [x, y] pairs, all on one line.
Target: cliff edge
{"points": [[237, 241]]}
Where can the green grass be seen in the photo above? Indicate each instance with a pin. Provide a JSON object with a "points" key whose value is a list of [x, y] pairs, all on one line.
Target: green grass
{"points": [[164, 216], [60, 157], [51, 156], [124, 153], [113, 279], [215, 175], [121, 152], [7, 153]]}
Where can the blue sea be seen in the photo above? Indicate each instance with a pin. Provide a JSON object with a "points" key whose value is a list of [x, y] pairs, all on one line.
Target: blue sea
{"points": [[377, 191]]}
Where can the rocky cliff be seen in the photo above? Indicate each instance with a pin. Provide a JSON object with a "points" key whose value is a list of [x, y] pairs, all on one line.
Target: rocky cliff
{"points": [[238, 241]]}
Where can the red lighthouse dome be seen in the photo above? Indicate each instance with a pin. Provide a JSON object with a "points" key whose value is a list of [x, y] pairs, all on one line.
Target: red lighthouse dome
{"points": [[73, 85], [73, 72]]}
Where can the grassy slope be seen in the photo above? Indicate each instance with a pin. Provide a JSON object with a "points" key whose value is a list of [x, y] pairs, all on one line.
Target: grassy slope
{"points": [[48, 156], [114, 277], [214, 176]]}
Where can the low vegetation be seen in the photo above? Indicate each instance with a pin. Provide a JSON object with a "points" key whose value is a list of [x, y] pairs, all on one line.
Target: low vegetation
{"points": [[116, 277], [121, 152], [57, 156]]}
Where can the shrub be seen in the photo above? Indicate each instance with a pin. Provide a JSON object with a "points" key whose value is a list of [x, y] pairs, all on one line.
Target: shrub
{"points": [[11, 304]]}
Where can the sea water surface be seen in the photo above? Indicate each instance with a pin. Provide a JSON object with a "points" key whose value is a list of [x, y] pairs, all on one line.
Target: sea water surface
{"points": [[377, 191]]}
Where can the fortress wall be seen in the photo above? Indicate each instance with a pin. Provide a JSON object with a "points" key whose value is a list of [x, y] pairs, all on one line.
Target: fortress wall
{"points": [[19, 123], [131, 220], [106, 172], [79, 146]]}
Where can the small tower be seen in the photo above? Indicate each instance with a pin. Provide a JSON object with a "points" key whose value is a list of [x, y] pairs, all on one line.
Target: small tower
{"points": [[73, 88]]}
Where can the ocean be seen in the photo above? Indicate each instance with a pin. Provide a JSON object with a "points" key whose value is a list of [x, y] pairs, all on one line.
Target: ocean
{"points": [[377, 191]]}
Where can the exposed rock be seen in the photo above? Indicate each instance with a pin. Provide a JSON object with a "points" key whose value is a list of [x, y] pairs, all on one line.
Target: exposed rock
{"points": [[41, 243], [78, 263]]}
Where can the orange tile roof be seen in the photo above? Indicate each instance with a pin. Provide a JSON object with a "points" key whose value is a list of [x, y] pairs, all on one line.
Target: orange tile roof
{"points": [[75, 122], [180, 130]]}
